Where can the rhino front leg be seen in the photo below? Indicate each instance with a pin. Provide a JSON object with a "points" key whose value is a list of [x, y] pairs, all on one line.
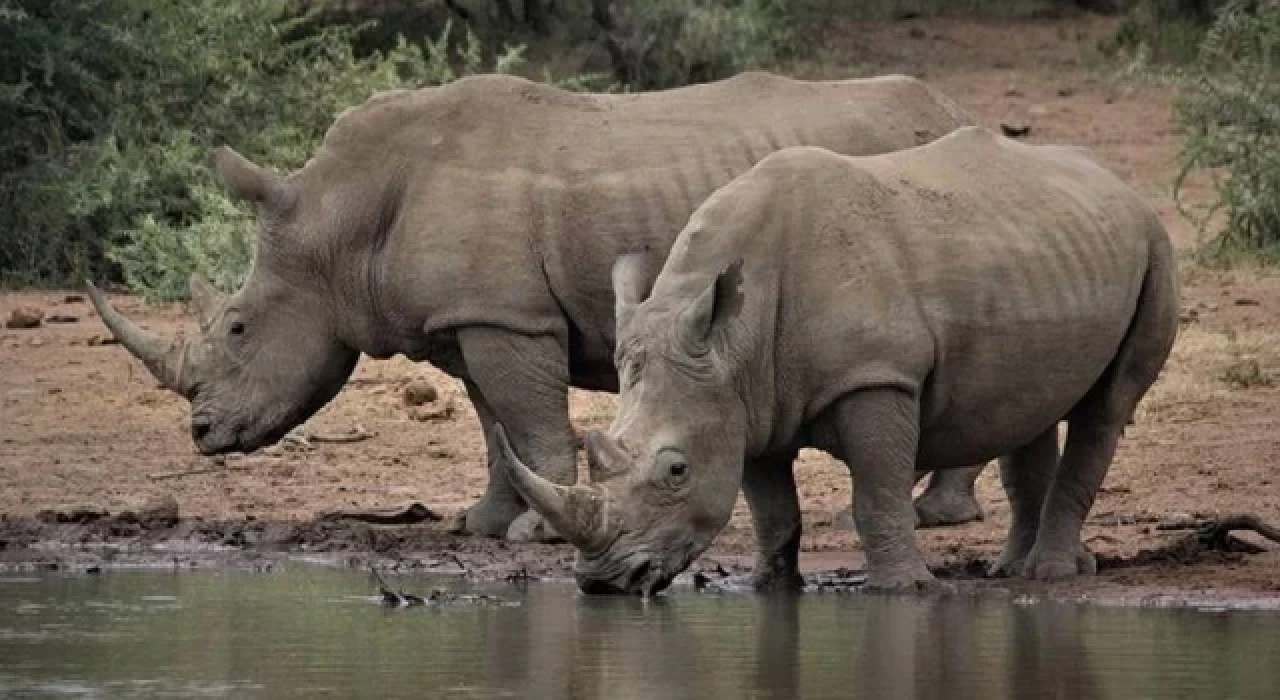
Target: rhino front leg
{"points": [[523, 382], [949, 498], [770, 488], [878, 434]]}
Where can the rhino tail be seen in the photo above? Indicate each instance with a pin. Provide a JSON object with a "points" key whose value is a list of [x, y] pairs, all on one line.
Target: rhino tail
{"points": [[1147, 343]]}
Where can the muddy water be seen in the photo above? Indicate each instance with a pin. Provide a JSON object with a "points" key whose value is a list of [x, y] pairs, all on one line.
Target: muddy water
{"points": [[311, 632]]}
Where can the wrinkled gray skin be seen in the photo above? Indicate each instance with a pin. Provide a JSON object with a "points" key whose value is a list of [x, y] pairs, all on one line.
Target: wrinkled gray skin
{"points": [[937, 307], [473, 226]]}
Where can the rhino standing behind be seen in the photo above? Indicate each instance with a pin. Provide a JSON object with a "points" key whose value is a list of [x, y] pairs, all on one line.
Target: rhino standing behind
{"points": [[938, 306], [473, 226]]}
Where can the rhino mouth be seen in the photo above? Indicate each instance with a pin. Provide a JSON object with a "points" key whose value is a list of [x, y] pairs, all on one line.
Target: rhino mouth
{"points": [[212, 438], [633, 576]]}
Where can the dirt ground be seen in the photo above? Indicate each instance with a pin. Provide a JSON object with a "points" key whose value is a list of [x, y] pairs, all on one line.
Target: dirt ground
{"points": [[83, 426]]}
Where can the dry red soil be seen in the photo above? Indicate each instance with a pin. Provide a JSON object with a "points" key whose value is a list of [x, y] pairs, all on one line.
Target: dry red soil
{"points": [[83, 425]]}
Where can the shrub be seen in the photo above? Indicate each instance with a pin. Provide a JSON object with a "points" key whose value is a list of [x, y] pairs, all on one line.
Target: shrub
{"points": [[1162, 31], [666, 43], [1229, 117]]}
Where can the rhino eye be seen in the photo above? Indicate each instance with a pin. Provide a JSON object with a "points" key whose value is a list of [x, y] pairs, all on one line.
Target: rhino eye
{"points": [[237, 328], [672, 469]]}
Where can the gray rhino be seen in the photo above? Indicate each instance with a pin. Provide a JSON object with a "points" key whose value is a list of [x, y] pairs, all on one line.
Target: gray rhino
{"points": [[473, 226], [939, 306]]}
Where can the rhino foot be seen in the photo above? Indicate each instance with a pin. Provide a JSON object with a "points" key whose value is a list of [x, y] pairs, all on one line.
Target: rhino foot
{"points": [[938, 508], [774, 581], [532, 527], [1056, 566], [486, 519], [906, 579], [1008, 564]]}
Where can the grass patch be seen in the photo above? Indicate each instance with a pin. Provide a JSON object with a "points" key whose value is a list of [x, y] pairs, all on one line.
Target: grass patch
{"points": [[1207, 367]]}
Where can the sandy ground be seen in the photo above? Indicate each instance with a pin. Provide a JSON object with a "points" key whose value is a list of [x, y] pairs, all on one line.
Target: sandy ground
{"points": [[83, 425]]}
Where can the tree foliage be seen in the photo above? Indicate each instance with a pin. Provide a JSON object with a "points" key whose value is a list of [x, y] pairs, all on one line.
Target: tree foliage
{"points": [[1230, 121]]}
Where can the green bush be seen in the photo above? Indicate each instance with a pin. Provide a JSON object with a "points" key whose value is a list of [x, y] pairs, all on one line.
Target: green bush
{"points": [[1163, 31], [666, 43], [1229, 117]]}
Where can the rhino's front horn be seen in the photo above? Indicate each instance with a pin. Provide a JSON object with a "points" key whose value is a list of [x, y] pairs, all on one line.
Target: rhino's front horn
{"points": [[163, 358], [576, 512]]}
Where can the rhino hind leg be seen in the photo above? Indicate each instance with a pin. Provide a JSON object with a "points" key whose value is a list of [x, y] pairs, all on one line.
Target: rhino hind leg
{"points": [[522, 382], [878, 433], [949, 498], [1095, 425], [769, 486], [1026, 474]]}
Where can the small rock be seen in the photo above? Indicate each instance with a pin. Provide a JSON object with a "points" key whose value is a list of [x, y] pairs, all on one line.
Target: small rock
{"points": [[1066, 91], [1038, 111], [1013, 91], [73, 298], [1247, 302], [36, 342], [63, 318], [419, 392], [917, 33], [99, 339], [1016, 123], [160, 513], [25, 317], [433, 413]]}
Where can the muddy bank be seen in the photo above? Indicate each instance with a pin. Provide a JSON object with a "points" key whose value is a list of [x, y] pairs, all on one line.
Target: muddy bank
{"points": [[87, 541]]}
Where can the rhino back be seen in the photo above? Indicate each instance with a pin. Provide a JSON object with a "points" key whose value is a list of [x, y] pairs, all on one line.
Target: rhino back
{"points": [[517, 197], [994, 278]]}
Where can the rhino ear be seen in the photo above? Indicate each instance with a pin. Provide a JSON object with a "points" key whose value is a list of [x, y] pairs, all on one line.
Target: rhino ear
{"points": [[631, 283], [250, 182], [717, 304]]}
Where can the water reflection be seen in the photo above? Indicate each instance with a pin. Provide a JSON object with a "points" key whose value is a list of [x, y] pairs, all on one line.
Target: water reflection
{"points": [[302, 634]]}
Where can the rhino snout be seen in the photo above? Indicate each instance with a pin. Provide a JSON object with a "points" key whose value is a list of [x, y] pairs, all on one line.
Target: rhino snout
{"points": [[643, 578]]}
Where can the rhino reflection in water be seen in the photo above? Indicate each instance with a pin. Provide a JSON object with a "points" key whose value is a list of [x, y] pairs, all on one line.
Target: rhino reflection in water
{"points": [[473, 225], [938, 306]]}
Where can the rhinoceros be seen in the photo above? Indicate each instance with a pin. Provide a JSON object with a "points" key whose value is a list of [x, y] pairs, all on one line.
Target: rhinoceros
{"points": [[938, 306], [473, 226]]}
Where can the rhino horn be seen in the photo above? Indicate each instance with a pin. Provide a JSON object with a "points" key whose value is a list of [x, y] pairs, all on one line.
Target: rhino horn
{"points": [[576, 512], [605, 459], [205, 299], [164, 359]]}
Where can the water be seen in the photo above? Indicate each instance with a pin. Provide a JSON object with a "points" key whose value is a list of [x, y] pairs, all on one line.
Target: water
{"points": [[311, 632]]}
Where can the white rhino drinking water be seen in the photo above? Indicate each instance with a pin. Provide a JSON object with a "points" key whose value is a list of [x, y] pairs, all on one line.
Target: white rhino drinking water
{"points": [[474, 226], [939, 306]]}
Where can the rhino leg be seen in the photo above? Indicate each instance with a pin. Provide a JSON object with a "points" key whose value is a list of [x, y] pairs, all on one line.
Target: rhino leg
{"points": [[878, 434], [1094, 425], [949, 498], [1026, 474], [769, 485], [522, 382], [1058, 552]]}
